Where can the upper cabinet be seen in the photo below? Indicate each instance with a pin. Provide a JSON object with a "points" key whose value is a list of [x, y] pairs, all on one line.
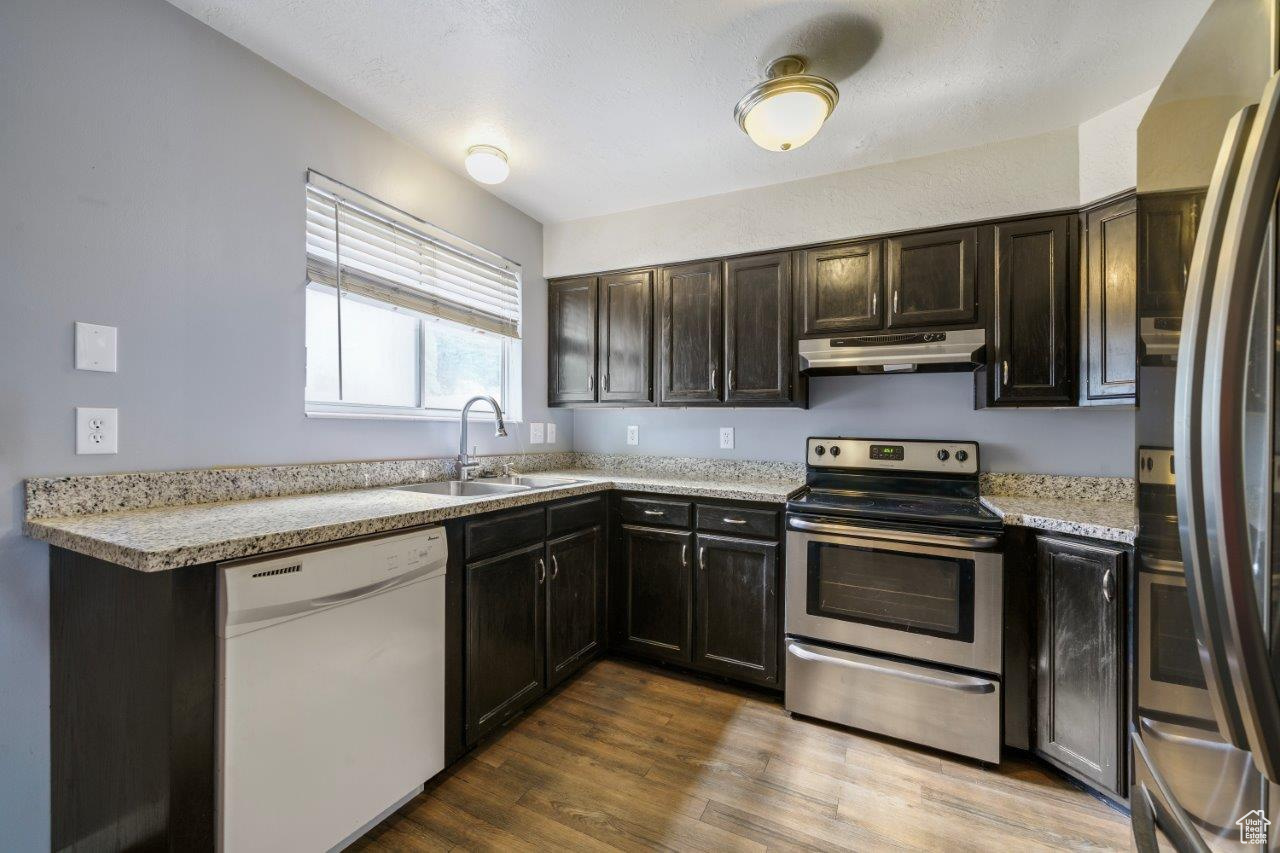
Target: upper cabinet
{"points": [[1167, 236], [757, 329], [840, 288], [932, 278], [1109, 355], [571, 356], [626, 337], [1029, 362], [691, 333]]}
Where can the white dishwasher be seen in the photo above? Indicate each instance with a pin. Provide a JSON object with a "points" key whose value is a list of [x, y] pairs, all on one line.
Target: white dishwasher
{"points": [[331, 689]]}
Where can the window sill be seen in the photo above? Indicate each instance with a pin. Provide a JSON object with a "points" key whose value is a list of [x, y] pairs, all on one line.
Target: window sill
{"points": [[473, 415]]}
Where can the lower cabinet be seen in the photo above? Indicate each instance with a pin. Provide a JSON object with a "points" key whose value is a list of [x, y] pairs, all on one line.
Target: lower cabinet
{"points": [[706, 600], [1080, 698], [573, 602]]}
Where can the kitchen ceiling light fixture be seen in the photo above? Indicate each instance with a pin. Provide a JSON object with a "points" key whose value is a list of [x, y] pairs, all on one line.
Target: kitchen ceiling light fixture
{"points": [[788, 109], [487, 164]]}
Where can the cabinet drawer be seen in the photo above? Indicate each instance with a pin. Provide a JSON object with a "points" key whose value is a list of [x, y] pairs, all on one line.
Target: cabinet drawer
{"points": [[649, 511], [732, 519], [575, 514], [498, 533]]}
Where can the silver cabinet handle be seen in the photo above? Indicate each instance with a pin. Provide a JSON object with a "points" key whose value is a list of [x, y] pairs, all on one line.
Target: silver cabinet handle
{"points": [[1108, 585], [875, 302], [654, 512], [713, 379], [542, 570], [895, 302], [731, 379], [962, 683], [702, 557], [591, 382], [1244, 235], [684, 555], [1004, 368], [838, 528], [555, 567], [728, 520]]}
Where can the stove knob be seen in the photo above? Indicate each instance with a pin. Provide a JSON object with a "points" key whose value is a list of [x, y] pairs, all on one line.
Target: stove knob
{"points": [[819, 450], [943, 456], [962, 455], [835, 450]]}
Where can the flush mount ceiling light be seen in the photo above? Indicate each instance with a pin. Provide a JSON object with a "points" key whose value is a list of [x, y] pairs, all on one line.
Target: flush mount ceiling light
{"points": [[487, 164], [788, 109]]}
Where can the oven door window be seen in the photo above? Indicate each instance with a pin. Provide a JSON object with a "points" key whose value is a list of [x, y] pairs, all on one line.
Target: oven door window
{"points": [[916, 593], [1175, 657]]}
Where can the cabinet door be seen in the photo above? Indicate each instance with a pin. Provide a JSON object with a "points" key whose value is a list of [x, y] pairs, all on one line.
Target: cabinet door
{"points": [[1110, 295], [626, 337], [840, 288], [571, 341], [573, 602], [504, 637], [1167, 235], [1031, 356], [690, 300], [656, 584], [1078, 683], [931, 278], [736, 618], [757, 329]]}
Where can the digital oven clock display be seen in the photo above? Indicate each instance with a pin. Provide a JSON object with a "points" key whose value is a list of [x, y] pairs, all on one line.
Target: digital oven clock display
{"points": [[888, 452]]}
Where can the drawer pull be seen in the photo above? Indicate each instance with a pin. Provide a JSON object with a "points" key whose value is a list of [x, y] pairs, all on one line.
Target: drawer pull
{"points": [[728, 520], [960, 683], [654, 512]]}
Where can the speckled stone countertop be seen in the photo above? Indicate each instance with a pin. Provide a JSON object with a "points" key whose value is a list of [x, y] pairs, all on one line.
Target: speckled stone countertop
{"points": [[1112, 521], [161, 538]]}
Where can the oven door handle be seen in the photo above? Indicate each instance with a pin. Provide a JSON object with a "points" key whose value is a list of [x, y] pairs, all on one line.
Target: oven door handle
{"points": [[962, 683], [841, 529]]}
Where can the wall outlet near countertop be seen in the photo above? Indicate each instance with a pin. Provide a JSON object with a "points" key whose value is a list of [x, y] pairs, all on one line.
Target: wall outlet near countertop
{"points": [[726, 438], [551, 432], [535, 433], [633, 435], [97, 430]]}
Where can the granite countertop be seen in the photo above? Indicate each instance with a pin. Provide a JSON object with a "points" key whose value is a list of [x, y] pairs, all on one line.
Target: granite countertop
{"points": [[1113, 521], [161, 538]]}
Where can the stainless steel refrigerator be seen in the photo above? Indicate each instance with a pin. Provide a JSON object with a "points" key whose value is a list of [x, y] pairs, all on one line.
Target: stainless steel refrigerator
{"points": [[1206, 739]]}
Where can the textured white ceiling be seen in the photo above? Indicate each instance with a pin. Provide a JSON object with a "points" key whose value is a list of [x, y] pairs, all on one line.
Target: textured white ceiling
{"points": [[609, 105]]}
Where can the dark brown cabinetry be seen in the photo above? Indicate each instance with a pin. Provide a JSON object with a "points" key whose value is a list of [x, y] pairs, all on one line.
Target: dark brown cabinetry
{"points": [[931, 278], [571, 362], [1109, 348], [504, 596], [1166, 238], [655, 589], [573, 602], [626, 337], [840, 288], [1031, 353], [1080, 670], [706, 599], [736, 613], [757, 329], [691, 336]]}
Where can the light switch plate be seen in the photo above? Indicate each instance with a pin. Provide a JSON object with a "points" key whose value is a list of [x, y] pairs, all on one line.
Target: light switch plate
{"points": [[726, 438], [535, 433], [95, 347], [633, 435], [97, 430], [551, 432]]}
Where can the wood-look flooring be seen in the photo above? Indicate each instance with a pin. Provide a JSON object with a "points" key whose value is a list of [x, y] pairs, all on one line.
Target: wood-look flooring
{"points": [[627, 757]]}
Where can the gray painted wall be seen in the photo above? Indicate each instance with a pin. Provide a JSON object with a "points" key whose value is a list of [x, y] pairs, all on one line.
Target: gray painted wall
{"points": [[151, 171], [1061, 441]]}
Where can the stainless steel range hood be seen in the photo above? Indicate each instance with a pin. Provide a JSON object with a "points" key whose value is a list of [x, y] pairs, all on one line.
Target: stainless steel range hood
{"points": [[894, 352]]}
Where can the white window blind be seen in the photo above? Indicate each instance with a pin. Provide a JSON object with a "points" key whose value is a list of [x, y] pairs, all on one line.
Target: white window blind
{"points": [[358, 245]]}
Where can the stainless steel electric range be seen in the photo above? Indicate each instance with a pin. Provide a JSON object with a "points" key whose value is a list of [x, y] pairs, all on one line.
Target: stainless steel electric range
{"points": [[894, 593]]}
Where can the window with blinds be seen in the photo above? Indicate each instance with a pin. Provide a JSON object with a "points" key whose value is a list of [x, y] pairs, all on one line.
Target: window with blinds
{"points": [[403, 318]]}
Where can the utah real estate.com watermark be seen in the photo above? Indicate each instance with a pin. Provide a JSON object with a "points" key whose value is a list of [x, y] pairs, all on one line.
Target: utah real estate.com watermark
{"points": [[1253, 827]]}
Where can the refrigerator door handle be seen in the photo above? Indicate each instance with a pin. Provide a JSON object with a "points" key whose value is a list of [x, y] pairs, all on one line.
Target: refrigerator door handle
{"points": [[1226, 510], [1188, 446]]}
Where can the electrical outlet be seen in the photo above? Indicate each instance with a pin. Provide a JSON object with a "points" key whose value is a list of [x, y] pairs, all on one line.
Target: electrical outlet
{"points": [[97, 430], [551, 432], [95, 347], [726, 438], [633, 435], [535, 433]]}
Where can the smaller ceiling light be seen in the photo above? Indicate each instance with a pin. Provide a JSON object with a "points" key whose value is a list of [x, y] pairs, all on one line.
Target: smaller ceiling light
{"points": [[788, 109], [487, 164]]}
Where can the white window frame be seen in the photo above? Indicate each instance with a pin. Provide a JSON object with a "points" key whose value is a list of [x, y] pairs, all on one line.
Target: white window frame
{"points": [[510, 395]]}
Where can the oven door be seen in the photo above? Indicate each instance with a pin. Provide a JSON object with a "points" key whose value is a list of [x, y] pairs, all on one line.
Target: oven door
{"points": [[929, 597], [1170, 675]]}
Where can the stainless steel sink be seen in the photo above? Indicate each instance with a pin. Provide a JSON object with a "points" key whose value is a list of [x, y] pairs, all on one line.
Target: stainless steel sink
{"points": [[465, 488], [529, 481]]}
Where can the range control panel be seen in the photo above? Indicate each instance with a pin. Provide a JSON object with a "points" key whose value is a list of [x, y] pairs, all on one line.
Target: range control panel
{"points": [[933, 457]]}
